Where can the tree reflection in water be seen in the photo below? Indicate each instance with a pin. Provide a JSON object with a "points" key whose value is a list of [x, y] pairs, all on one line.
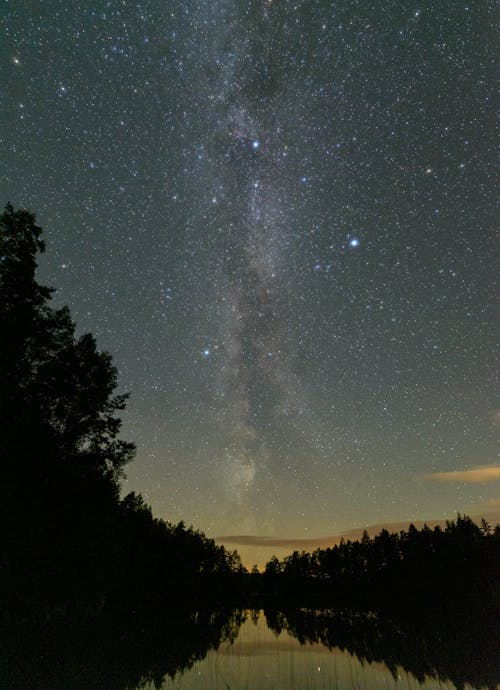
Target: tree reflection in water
{"points": [[132, 652], [113, 654], [462, 648]]}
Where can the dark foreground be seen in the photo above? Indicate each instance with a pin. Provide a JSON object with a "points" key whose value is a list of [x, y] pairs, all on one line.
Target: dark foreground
{"points": [[118, 651]]}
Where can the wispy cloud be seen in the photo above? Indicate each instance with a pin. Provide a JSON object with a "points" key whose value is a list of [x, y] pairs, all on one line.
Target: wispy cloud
{"points": [[308, 543], [311, 543], [255, 540], [477, 475]]}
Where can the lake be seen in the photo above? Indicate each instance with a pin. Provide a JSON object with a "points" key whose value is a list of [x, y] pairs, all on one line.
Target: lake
{"points": [[262, 659], [233, 649]]}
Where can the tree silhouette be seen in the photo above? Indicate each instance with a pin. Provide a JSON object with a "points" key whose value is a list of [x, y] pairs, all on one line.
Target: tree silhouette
{"points": [[66, 538], [460, 563], [60, 450], [59, 383]]}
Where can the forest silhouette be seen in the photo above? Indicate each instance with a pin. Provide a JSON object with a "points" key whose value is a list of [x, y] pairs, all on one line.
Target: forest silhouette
{"points": [[69, 542], [79, 562], [439, 566]]}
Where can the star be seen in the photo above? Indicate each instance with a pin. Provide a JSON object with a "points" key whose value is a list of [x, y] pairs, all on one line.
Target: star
{"points": [[256, 220]]}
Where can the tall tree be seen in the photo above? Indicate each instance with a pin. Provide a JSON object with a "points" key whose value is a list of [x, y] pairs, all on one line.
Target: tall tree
{"points": [[52, 383], [66, 538], [60, 453]]}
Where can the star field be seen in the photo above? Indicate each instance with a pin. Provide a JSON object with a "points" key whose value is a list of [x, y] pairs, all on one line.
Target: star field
{"points": [[278, 217]]}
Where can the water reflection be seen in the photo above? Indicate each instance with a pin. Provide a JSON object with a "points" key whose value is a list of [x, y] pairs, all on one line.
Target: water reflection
{"points": [[261, 659], [462, 649], [286, 650], [118, 653]]}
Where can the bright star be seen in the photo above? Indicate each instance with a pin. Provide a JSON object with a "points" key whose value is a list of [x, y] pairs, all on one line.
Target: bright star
{"points": [[255, 144], [354, 242], [206, 352]]}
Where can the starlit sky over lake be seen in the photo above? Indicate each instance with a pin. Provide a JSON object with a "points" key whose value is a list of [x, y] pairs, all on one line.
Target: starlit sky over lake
{"points": [[279, 219]]}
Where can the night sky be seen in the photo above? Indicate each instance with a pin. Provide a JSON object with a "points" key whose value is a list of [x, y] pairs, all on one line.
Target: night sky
{"points": [[279, 219]]}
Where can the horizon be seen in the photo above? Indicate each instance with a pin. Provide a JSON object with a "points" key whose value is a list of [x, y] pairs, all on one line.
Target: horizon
{"points": [[262, 548]]}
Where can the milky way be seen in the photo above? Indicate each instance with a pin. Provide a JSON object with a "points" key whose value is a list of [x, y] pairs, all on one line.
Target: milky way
{"points": [[257, 384], [278, 217]]}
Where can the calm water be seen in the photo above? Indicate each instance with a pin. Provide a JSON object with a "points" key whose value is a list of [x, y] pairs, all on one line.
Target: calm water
{"points": [[226, 649], [260, 659]]}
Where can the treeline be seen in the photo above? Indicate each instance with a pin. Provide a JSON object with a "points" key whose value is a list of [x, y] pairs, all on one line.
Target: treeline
{"points": [[422, 568], [67, 540], [425, 600]]}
